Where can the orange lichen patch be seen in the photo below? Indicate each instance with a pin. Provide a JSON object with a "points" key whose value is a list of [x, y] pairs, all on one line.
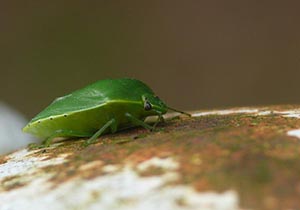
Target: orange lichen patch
{"points": [[11, 182], [284, 152], [3, 159], [202, 185]]}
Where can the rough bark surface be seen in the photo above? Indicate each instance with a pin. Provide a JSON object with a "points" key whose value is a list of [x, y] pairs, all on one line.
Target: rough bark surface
{"points": [[240, 158]]}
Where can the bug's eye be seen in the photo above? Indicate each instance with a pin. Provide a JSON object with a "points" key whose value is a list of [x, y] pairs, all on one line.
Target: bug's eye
{"points": [[147, 106]]}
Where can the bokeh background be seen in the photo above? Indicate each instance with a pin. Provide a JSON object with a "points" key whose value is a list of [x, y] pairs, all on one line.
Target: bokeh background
{"points": [[194, 54]]}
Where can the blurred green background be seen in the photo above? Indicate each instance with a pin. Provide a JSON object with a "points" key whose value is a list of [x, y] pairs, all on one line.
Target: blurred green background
{"points": [[194, 54]]}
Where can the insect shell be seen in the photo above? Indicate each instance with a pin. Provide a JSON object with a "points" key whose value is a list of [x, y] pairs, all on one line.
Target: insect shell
{"points": [[104, 106]]}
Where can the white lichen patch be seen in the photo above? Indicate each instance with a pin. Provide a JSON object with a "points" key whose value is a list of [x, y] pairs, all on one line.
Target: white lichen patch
{"points": [[163, 163], [288, 113], [226, 112], [110, 168], [90, 165], [267, 112], [23, 162], [122, 190], [294, 133]]}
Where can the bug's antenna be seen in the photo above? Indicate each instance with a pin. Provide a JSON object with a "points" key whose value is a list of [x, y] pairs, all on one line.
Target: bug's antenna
{"points": [[175, 110]]}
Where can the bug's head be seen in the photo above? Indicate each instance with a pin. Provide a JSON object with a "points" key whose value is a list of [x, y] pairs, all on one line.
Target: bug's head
{"points": [[154, 105]]}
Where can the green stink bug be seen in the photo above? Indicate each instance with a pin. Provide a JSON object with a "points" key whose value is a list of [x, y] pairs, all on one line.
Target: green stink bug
{"points": [[104, 106]]}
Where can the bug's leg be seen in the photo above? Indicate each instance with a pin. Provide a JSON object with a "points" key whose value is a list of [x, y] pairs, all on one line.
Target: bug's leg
{"points": [[159, 119], [45, 143], [111, 123], [114, 127], [136, 121], [48, 141], [63, 133], [59, 133]]}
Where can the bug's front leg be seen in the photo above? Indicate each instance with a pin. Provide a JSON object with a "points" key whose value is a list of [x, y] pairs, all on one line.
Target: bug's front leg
{"points": [[159, 119], [139, 122], [111, 123]]}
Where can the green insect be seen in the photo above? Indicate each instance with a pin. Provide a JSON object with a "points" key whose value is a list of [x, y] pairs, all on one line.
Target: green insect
{"points": [[102, 107]]}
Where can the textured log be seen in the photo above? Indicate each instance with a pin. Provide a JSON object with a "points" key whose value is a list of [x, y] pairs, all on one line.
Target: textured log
{"points": [[241, 158]]}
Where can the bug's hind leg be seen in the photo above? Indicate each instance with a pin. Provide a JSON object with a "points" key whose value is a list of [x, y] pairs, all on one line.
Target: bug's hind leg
{"points": [[59, 133], [64, 133], [111, 123]]}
